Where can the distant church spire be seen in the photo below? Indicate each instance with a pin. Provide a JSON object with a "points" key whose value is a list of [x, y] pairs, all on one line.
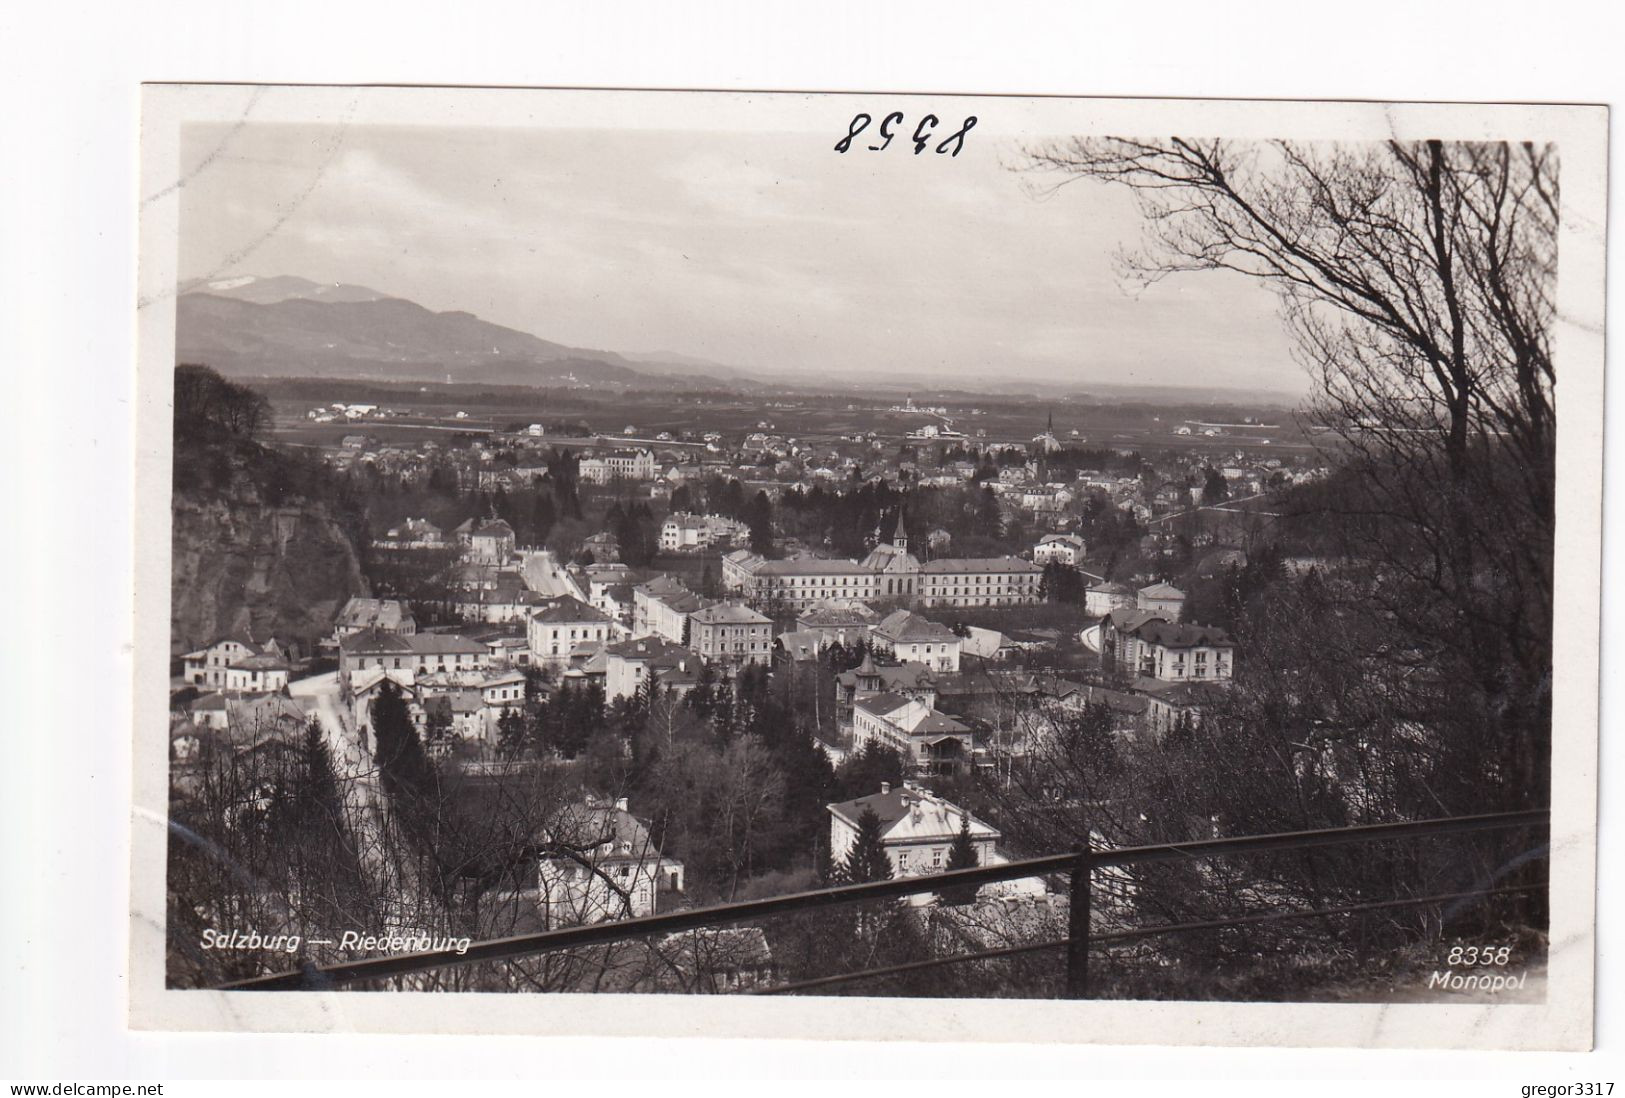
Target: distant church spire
{"points": [[1049, 426], [899, 536]]}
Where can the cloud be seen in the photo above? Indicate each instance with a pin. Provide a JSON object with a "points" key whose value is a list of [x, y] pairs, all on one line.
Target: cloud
{"points": [[764, 250]]}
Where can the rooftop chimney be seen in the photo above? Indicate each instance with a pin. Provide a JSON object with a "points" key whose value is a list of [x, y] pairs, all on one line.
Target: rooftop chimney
{"points": [[620, 803], [885, 787]]}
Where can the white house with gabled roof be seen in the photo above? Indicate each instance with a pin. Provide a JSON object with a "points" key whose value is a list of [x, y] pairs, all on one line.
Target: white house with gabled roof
{"points": [[421, 653], [562, 626], [912, 639], [732, 634], [1162, 598], [917, 828], [238, 664], [928, 741], [1064, 549], [600, 863]]}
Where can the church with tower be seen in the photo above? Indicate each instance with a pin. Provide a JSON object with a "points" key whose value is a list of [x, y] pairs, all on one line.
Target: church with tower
{"points": [[1047, 443]]}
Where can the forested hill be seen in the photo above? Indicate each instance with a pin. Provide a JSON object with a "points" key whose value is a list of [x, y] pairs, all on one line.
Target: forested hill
{"points": [[347, 335], [262, 540]]}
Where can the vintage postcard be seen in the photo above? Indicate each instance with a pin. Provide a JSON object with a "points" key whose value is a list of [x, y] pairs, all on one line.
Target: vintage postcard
{"points": [[620, 562]]}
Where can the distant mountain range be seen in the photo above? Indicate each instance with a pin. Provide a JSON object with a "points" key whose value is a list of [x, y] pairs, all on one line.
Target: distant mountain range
{"points": [[269, 291], [286, 326], [292, 327]]}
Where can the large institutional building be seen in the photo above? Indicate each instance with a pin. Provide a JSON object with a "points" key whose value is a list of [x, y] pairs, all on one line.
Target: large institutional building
{"points": [[617, 465], [890, 573]]}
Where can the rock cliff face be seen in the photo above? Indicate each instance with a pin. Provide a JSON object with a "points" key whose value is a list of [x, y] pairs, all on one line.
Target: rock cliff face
{"points": [[240, 562]]}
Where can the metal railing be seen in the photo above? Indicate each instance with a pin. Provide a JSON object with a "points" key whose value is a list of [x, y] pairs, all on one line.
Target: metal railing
{"points": [[1078, 865]]}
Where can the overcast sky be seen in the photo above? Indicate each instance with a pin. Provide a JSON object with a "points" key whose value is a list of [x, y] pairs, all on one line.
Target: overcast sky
{"points": [[764, 251]]}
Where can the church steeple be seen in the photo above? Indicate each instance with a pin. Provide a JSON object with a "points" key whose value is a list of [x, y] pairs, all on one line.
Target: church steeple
{"points": [[899, 536], [1049, 425]]}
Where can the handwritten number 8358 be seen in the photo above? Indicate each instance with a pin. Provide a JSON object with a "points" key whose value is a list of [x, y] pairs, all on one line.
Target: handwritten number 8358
{"points": [[923, 133]]}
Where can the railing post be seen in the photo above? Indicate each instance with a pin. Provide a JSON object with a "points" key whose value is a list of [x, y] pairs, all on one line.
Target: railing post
{"points": [[1077, 949]]}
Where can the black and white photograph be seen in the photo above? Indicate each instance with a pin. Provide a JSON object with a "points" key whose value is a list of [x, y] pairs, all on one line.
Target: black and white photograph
{"points": [[609, 555]]}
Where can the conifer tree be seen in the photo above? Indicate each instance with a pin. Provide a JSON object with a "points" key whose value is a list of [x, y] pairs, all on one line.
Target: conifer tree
{"points": [[831, 873], [961, 855], [759, 517], [319, 796], [867, 860], [989, 518], [512, 734], [404, 767], [866, 769]]}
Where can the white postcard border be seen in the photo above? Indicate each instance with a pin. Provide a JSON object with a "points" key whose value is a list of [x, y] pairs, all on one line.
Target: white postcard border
{"points": [[1563, 1022]]}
